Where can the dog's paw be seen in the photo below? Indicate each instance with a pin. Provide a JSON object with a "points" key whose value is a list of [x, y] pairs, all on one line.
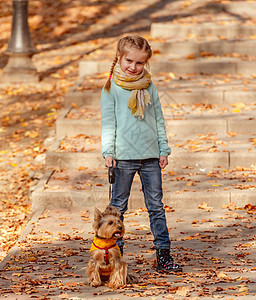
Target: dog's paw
{"points": [[131, 279], [95, 284]]}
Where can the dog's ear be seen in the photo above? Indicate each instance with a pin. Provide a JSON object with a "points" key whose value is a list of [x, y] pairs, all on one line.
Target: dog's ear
{"points": [[97, 215], [110, 210], [116, 212]]}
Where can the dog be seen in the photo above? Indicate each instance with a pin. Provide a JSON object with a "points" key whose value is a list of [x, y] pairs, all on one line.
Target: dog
{"points": [[106, 264]]}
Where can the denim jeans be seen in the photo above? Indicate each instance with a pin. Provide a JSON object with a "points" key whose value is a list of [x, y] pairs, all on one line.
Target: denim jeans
{"points": [[151, 179]]}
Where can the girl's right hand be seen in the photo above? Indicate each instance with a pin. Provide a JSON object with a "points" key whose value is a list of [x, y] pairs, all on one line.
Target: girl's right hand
{"points": [[109, 162]]}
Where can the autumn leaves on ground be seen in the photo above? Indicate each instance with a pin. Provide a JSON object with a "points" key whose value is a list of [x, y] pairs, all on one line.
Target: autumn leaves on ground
{"points": [[28, 112], [214, 247]]}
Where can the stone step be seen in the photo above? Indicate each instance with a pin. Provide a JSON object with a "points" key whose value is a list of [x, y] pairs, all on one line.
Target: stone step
{"points": [[177, 94], [243, 8], [73, 121], [178, 31], [197, 48], [210, 65], [88, 188], [199, 153], [221, 89], [74, 152], [185, 119]]}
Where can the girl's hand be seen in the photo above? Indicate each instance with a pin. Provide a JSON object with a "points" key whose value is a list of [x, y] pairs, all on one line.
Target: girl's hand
{"points": [[163, 161], [109, 162]]}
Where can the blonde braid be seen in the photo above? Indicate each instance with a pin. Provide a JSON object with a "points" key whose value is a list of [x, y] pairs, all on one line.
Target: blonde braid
{"points": [[108, 83]]}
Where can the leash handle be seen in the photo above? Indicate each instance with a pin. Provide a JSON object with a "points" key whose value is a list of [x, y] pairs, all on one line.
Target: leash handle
{"points": [[111, 179], [111, 175]]}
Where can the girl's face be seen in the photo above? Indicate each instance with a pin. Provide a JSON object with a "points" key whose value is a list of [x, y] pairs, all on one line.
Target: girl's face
{"points": [[133, 61]]}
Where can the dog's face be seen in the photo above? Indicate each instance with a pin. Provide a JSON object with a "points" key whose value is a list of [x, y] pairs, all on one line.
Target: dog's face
{"points": [[108, 224]]}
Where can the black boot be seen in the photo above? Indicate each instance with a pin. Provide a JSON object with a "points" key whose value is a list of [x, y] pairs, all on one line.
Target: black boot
{"points": [[165, 261]]}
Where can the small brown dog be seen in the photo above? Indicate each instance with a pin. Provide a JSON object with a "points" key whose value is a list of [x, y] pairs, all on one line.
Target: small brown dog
{"points": [[106, 263]]}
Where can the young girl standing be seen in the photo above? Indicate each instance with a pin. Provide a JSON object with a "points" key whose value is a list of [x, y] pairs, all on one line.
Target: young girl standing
{"points": [[134, 138]]}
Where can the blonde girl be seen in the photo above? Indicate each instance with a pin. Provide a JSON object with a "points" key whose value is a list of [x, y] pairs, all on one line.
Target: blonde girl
{"points": [[134, 139]]}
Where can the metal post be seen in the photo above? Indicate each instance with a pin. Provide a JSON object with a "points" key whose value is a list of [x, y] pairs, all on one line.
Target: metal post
{"points": [[20, 48]]}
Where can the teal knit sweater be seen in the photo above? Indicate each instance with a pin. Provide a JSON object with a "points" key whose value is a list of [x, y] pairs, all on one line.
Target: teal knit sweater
{"points": [[124, 136]]}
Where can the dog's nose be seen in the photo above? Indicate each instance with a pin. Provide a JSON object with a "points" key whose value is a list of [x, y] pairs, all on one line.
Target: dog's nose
{"points": [[120, 227]]}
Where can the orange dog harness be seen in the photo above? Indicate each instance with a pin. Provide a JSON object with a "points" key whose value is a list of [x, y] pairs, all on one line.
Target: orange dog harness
{"points": [[104, 245]]}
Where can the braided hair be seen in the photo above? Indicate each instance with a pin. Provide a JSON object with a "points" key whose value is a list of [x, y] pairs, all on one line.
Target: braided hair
{"points": [[123, 45]]}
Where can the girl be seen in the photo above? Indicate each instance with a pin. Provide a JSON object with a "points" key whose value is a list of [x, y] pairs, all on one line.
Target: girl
{"points": [[134, 138]]}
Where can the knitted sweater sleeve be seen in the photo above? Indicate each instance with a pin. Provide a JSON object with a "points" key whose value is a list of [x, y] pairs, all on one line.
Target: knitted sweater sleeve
{"points": [[108, 127], [164, 149]]}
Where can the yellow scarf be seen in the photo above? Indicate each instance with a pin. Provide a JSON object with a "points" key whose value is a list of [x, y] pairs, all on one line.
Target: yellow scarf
{"points": [[139, 97]]}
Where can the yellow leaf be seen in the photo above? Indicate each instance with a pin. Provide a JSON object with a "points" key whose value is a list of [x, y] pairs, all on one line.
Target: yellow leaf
{"points": [[222, 275], [56, 75], [32, 134], [239, 105], [27, 152], [205, 206], [4, 151], [172, 75], [51, 113], [243, 289]]}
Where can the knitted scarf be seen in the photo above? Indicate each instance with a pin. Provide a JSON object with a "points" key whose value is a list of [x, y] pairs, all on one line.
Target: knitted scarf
{"points": [[137, 84]]}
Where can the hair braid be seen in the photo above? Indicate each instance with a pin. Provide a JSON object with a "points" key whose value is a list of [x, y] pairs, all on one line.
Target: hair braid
{"points": [[108, 83]]}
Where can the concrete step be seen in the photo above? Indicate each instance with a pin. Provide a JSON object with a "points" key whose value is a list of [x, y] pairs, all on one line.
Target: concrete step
{"points": [[88, 188], [220, 89], [243, 8], [185, 119], [198, 48], [207, 65], [73, 121], [198, 153], [226, 30], [74, 152]]}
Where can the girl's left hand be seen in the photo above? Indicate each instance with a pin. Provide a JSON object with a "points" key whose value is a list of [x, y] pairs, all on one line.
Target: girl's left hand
{"points": [[163, 161]]}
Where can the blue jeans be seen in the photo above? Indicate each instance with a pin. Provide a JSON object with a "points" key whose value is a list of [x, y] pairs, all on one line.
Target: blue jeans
{"points": [[151, 179]]}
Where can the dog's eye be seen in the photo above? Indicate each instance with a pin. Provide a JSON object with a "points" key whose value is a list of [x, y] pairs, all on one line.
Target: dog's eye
{"points": [[110, 222]]}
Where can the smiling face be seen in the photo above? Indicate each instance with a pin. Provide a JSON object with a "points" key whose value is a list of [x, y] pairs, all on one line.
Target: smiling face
{"points": [[133, 61]]}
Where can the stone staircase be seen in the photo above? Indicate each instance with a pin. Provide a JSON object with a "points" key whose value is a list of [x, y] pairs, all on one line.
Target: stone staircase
{"points": [[205, 73]]}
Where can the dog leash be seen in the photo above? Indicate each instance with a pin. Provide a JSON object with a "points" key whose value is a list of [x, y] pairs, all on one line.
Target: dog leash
{"points": [[111, 180], [109, 193]]}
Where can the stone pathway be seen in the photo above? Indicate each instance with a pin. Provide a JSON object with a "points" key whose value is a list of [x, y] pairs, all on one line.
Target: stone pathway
{"points": [[216, 248]]}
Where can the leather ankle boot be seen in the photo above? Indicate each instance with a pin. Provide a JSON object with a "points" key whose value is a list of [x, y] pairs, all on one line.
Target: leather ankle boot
{"points": [[165, 261]]}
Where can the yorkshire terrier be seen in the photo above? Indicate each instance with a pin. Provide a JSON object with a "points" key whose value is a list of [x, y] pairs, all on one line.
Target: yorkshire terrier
{"points": [[106, 263]]}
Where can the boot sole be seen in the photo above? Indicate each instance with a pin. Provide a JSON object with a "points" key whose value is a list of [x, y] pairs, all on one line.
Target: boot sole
{"points": [[163, 270]]}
